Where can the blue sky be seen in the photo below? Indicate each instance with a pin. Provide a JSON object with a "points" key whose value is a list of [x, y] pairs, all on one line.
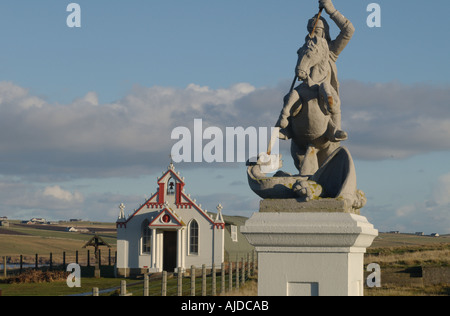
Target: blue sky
{"points": [[86, 113]]}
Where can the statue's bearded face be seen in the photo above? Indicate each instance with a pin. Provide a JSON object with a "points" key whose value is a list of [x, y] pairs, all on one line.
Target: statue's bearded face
{"points": [[319, 32]]}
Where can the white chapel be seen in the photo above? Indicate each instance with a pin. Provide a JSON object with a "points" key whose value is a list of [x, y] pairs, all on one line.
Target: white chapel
{"points": [[170, 231]]}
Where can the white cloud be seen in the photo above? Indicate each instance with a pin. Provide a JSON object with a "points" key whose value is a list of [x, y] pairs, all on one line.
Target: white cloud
{"points": [[17, 98], [387, 120], [91, 98], [405, 210], [430, 216], [441, 192], [58, 193], [23, 200], [88, 138]]}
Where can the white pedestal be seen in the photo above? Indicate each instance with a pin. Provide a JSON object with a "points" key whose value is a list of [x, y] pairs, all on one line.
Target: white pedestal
{"points": [[310, 253]]}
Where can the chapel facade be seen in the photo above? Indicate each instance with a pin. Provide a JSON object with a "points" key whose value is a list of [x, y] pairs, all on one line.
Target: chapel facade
{"points": [[170, 231]]}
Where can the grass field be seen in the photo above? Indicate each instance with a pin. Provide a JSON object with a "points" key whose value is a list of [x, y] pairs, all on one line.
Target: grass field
{"points": [[28, 240], [387, 240], [396, 254], [31, 239]]}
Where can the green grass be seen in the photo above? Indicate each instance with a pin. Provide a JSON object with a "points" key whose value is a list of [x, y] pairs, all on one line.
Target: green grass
{"points": [[387, 240], [44, 233], [57, 288], [43, 241], [88, 282], [389, 250]]}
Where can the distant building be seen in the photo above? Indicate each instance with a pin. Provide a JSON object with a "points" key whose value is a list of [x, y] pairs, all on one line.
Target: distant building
{"points": [[77, 230], [4, 223], [420, 233], [75, 220], [169, 231], [394, 232], [38, 220], [236, 244], [434, 235], [3, 218]]}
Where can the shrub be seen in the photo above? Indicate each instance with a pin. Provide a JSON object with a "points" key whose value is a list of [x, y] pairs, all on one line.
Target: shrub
{"points": [[38, 276]]}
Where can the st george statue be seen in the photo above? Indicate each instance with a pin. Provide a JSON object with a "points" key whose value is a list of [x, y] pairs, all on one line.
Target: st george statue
{"points": [[311, 119]]}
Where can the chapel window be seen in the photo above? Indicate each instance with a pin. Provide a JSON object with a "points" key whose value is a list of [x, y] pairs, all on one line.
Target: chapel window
{"points": [[146, 236], [234, 233], [193, 237]]}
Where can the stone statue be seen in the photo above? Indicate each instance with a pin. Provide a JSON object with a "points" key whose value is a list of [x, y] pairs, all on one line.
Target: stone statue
{"points": [[311, 119]]}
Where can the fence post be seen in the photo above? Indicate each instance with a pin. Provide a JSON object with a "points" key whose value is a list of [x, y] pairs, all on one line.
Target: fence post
{"points": [[5, 268], [164, 284], [21, 263], [214, 281], [203, 280], [88, 259], [146, 280], [180, 282], [99, 258], [109, 257], [51, 261], [192, 281], [237, 274], [76, 257], [123, 288], [36, 261], [249, 269], [222, 281], [64, 260], [95, 291], [243, 271], [230, 276]]}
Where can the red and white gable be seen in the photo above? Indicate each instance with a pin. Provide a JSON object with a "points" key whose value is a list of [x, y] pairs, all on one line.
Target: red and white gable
{"points": [[170, 187], [167, 218], [169, 198]]}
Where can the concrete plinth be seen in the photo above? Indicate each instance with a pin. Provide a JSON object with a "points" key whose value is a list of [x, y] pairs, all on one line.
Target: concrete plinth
{"points": [[311, 252]]}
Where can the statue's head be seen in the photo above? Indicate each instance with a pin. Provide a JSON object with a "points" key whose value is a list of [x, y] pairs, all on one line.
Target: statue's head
{"points": [[315, 51], [322, 28]]}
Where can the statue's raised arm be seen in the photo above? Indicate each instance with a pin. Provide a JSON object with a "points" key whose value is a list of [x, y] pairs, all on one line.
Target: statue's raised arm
{"points": [[347, 30]]}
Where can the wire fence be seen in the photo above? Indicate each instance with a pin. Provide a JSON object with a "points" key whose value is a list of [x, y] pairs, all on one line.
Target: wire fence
{"points": [[196, 281], [56, 261]]}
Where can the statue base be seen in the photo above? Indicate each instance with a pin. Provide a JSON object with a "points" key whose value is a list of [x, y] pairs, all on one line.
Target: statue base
{"points": [[296, 206], [308, 250]]}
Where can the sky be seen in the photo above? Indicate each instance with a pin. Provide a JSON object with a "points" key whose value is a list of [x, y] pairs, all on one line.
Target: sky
{"points": [[86, 114]]}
